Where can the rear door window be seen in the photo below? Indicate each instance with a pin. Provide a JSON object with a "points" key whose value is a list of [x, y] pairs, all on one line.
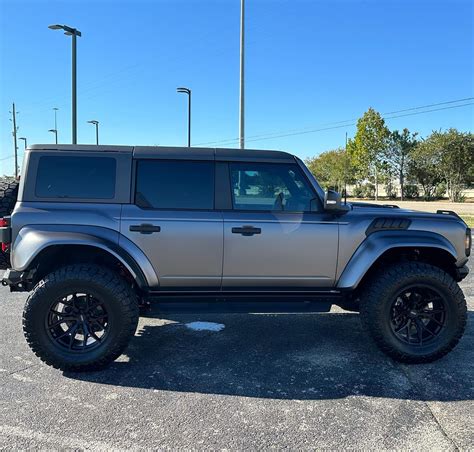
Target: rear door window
{"points": [[175, 184], [76, 177]]}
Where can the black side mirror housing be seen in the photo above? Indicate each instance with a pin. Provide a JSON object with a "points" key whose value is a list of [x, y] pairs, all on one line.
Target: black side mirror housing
{"points": [[333, 204]]}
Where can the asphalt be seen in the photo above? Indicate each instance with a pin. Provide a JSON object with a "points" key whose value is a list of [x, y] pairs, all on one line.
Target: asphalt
{"points": [[262, 381]]}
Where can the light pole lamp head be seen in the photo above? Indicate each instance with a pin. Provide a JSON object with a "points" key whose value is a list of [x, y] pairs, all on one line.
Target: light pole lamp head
{"points": [[183, 90], [93, 121], [53, 131], [69, 31]]}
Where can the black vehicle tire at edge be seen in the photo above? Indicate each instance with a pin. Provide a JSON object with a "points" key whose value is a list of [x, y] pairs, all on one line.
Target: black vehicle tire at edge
{"points": [[8, 197], [121, 303], [385, 285]]}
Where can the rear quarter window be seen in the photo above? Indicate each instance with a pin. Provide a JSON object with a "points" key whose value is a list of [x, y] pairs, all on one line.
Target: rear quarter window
{"points": [[76, 177]]}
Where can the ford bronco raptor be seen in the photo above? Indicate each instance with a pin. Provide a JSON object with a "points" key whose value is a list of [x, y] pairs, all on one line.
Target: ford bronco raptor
{"points": [[99, 231]]}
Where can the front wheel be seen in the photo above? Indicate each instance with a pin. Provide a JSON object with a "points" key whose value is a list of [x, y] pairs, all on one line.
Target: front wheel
{"points": [[415, 312], [80, 317]]}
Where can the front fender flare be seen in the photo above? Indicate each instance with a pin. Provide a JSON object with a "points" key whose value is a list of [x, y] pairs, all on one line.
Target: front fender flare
{"points": [[30, 242], [379, 242]]}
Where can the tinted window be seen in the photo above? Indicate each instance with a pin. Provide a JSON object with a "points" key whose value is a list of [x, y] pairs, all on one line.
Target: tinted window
{"points": [[76, 177], [270, 187], [166, 184]]}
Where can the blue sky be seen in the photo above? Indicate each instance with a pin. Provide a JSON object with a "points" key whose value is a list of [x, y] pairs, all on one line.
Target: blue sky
{"points": [[308, 63]]}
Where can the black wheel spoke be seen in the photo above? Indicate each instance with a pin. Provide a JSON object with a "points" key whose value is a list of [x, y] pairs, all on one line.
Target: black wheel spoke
{"points": [[418, 315], [62, 320], [82, 314], [419, 329], [73, 335]]}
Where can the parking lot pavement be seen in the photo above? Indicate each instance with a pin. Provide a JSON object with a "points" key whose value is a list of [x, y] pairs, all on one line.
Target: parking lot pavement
{"points": [[295, 381]]}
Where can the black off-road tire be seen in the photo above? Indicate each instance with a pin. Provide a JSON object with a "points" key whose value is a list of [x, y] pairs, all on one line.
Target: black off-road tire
{"points": [[377, 299], [8, 197], [102, 283]]}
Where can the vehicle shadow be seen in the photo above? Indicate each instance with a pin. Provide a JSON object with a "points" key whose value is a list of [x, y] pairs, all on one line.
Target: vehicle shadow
{"points": [[302, 357]]}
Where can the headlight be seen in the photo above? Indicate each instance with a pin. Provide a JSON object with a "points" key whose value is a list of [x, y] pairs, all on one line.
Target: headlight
{"points": [[468, 241]]}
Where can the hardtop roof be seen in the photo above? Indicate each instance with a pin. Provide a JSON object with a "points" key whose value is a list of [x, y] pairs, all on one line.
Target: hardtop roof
{"points": [[171, 151]]}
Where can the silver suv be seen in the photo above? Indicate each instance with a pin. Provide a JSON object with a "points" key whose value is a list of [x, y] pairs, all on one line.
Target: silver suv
{"points": [[99, 232]]}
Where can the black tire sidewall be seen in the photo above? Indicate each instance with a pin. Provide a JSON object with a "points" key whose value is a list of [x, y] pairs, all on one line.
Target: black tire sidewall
{"points": [[42, 301], [381, 293], [442, 339]]}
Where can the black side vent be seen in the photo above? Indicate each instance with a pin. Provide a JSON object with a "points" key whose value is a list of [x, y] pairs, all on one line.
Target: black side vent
{"points": [[388, 224]]}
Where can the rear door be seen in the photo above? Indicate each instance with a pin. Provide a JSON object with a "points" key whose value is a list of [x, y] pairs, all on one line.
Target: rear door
{"points": [[276, 235], [174, 222]]}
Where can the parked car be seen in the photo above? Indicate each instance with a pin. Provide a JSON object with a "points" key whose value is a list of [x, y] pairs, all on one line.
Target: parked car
{"points": [[98, 231]]}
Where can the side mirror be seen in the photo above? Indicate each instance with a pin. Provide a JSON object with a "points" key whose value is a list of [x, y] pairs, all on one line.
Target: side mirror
{"points": [[332, 202]]}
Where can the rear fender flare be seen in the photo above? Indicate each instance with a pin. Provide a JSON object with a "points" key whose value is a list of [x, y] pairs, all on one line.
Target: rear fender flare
{"points": [[32, 241]]}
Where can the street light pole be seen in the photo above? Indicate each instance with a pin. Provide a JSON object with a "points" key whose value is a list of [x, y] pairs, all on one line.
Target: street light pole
{"points": [[188, 92], [24, 140], [69, 31], [15, 144], [242, 73], [55, 134], [55, 118], [96, 123]]}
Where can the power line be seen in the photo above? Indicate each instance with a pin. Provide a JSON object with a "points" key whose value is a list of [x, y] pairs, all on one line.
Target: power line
{"points": [[354, 123], [345, 123]]}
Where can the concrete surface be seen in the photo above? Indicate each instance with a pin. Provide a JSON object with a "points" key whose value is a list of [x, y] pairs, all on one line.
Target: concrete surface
{"points": [[282, 381]]}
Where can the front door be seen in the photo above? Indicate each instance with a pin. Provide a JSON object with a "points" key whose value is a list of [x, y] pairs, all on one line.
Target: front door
{"points": [[174, 223], [277, 236]]}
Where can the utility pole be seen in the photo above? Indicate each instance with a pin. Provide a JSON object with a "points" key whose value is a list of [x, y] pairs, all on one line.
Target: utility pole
{"points": [[15, 140], [242, 93]]}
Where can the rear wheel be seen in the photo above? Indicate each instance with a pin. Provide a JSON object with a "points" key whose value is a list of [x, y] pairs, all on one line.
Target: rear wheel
{"points": [[80, 317], [415, 312]]}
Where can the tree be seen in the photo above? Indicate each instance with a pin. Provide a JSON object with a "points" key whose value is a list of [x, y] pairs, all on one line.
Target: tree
{"points": [[424, 167], [367, 148], [444, 156], [397, 154], [456, 160], [332, 169]]}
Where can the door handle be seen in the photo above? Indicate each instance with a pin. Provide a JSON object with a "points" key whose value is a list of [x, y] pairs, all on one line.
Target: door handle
{"points": [[246, 230], [144, 228]]}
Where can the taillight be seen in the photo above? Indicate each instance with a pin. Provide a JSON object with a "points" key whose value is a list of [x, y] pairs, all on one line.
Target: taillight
{"points": [[5, 238]]}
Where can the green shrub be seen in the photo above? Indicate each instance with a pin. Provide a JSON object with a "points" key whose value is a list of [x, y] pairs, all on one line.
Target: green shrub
{"points": [[369, 190], [358, 191], [440, 190], [411, 191]]}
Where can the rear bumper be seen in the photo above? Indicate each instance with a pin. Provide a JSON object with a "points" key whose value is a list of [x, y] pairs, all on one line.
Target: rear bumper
{"points": [[461, 272], [18, 281]]}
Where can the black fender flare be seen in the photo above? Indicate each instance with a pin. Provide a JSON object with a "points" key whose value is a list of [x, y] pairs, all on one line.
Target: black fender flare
{"points": [[378, 243]]}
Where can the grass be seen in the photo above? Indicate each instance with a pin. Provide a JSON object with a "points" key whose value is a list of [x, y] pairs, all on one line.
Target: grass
{"points": [[469, 219]]}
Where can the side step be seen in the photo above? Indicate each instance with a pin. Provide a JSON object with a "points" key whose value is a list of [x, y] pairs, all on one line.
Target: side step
{"points": [[297, 303]]}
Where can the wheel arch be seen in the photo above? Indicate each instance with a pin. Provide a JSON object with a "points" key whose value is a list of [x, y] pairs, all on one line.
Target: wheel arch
{"points": [[383, 247], [46, 250]]}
